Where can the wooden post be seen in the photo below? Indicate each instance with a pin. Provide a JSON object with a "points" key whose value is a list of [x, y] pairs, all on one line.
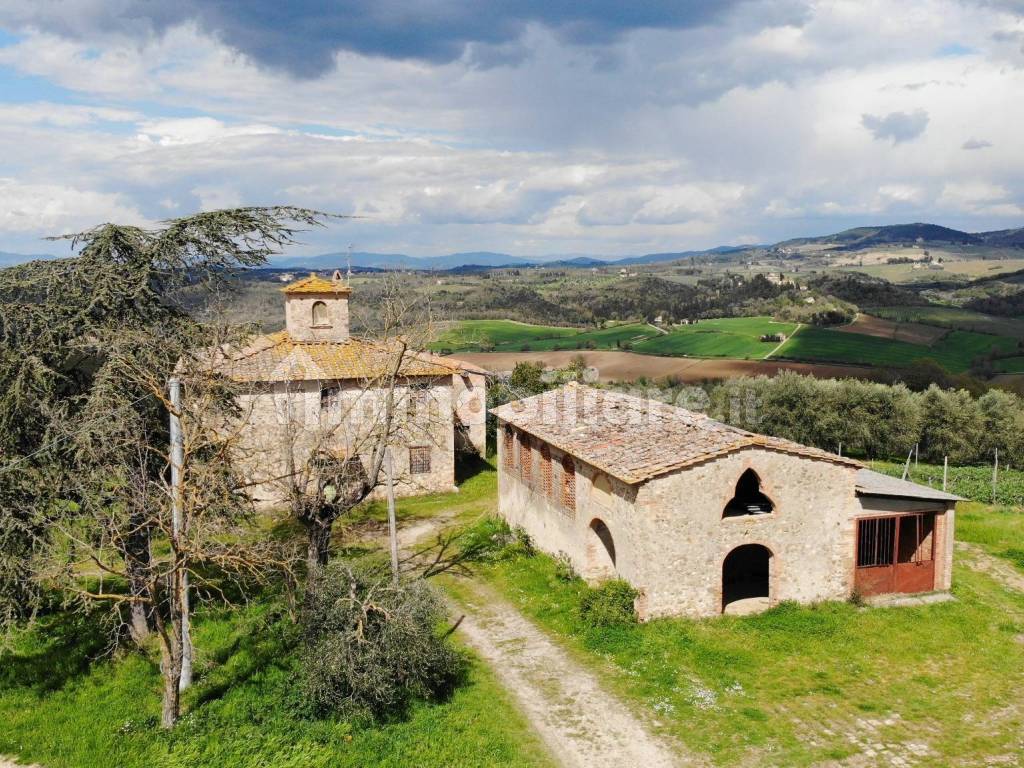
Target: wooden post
{"points": [[392, 519], [945, 472], [177, 527], [906, 467], [840, 449], [995, 476], [916, 447]]}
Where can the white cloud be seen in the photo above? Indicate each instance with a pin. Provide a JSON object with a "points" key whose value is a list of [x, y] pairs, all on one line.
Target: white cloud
{"points": [[55, 209], [659, 139]]}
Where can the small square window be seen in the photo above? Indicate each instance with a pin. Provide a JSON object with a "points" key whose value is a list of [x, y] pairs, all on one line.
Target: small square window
{"points": [[330, 398], [419, 460]]}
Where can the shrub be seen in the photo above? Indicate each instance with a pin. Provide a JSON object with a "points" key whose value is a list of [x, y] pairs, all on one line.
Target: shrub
{"points": [[564, 570], [492, 540], [372, 647], [609, 605]]}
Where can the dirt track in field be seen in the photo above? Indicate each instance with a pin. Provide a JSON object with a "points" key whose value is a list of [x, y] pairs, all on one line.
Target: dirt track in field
{"points": [[630, 366], [912, 333]]}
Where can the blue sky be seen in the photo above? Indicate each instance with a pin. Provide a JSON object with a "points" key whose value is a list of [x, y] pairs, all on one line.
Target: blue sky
{"points": [[532, 128]]}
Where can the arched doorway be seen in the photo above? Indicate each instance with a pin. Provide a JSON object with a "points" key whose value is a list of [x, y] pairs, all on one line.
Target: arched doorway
{"points": [[600, 551], [746, 579]]}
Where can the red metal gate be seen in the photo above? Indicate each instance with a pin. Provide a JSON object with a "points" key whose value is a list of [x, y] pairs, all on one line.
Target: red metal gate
{"points": [[896, 554]]}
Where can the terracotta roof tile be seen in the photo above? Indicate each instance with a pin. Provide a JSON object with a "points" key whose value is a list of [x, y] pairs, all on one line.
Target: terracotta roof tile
{"points": [[635, 439], [316, 284], [279, 357]]}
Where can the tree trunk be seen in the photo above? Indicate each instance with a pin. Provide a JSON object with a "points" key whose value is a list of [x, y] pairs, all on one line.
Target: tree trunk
{"points": [[168, 623], [318, 548], [137, 560], [171, 668]]}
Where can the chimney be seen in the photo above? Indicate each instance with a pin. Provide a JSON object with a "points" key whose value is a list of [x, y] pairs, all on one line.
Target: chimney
{"points": [[316, 309]]}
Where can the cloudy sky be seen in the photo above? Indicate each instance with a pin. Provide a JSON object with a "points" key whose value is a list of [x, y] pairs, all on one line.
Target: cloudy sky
{"points": [[536, 127]]}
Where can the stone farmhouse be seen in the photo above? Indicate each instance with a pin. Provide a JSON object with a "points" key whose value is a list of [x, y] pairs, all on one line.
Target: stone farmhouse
{"points": [[704, 518], [313, 387]]}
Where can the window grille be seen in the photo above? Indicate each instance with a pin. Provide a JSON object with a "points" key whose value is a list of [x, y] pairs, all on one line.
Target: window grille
{"points": [[526, 459], [508, 447], [419, 460], [546, 486], [569, 484]]}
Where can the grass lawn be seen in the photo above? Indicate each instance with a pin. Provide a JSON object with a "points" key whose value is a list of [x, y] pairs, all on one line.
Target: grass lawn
{"points": [[934, 685], [735, 337], [65, 704], [954, 351], [63, 707], [997, 530]]}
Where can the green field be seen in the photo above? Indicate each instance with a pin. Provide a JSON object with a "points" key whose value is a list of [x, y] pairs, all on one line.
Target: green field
{"points": [[474, 335], [954, 317], [954, 351], [1009, 364], [739, 338], [735, 337]]}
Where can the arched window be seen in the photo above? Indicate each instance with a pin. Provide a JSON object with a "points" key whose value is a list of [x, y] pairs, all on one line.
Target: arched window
{"points": [[525, 459], [569, 485], [546, 486], [748, 499], [602, 490], [508, 447], [320, 317]]}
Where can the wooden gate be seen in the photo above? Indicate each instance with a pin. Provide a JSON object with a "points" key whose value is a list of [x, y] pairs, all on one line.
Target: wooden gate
{"points": [[896, 554]]}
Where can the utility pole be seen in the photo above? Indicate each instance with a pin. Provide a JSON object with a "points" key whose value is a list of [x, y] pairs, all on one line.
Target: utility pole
{"points": [[392, 520], [945, 472], [177, 526], [906, 467]]}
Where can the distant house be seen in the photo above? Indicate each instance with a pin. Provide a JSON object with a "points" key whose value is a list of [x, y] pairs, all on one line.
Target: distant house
{"points": [[314, 379], [703, 518]]}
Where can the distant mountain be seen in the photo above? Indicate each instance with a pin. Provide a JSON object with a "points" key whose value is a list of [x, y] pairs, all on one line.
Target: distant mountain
{"points": [[10, 259], [474, 261], [399, 261], [859, 238], [1004, 237]]}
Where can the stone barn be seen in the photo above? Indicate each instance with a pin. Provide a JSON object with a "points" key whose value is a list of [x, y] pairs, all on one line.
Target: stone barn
{"points": [[704, 518], [314, 386]]}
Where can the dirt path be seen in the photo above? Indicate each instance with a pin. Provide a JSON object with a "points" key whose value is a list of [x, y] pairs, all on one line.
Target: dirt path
{"points": [[582, 724], [979, 560], [6, 763]]}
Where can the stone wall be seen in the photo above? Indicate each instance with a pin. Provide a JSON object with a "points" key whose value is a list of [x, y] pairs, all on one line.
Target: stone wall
{"points": [[470, 397], [296, 417], [670, 538], [686, 539], [298, 313]]}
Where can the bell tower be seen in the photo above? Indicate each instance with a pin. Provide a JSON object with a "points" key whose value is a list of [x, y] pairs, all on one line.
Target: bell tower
{"points": [[316, 309]]}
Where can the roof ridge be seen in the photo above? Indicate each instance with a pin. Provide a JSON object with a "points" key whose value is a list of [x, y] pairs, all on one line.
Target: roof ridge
{"points": [[641, 437]]}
